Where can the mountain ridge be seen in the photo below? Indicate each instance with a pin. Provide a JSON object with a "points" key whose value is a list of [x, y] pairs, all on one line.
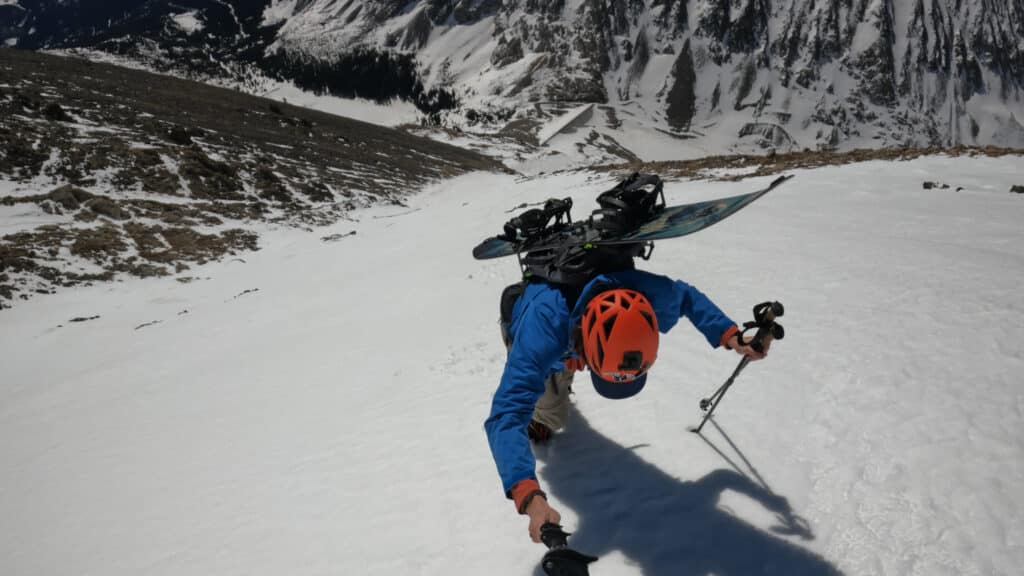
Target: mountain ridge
{"points": [[736, 75]]}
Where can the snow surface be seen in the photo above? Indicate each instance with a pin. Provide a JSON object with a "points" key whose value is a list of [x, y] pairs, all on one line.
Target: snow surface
{"points": [[394, 113], [278, 11], [549, 130], [317, 407], [189, 22]]}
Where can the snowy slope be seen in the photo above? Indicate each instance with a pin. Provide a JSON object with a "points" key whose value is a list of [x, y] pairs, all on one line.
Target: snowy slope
{"points": [[317, 409]]}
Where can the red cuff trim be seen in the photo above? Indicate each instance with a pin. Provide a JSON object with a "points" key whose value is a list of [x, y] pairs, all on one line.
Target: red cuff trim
{"points": [[729, 333], [523, 492], [575, 364]]}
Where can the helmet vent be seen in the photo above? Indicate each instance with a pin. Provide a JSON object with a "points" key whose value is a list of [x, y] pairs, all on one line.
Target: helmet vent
{"points": [[650, 319], [609, 323]]}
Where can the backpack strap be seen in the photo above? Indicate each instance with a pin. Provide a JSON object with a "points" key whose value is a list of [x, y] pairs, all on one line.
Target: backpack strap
{"points": [[577, 265], [509, 296]]}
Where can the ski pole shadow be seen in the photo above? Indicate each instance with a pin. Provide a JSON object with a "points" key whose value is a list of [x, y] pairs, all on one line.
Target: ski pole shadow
{"points": [[665, 525], [790, 524]]}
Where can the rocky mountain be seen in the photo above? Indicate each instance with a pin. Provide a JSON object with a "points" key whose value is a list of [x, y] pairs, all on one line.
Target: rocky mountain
{"points": [[227, 42], [788, 73], [106, 172], [708, 75]]}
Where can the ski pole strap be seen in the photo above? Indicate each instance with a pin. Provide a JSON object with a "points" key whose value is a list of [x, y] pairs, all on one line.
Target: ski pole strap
{"points": [[765, 314]]}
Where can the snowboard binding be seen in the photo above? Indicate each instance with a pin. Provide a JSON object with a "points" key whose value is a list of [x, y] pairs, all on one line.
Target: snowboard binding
{"points": [[635, 200], [536, 222], [554, 247], [632, 212], [560, 560], [623, 209]]}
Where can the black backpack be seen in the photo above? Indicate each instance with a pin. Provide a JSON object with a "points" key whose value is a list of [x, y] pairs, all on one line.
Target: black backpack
{"points": [[569, 266]]}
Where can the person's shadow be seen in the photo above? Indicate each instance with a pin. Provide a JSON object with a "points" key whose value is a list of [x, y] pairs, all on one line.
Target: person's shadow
{"points": [[664, 525]]}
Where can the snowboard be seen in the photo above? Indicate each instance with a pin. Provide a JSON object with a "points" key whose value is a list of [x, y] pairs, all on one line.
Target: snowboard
{"points": [[669, 222]]}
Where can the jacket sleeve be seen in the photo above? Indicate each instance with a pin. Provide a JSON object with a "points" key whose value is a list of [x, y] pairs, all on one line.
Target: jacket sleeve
{"points": [[702, 312], [539, 341], [674, 299]]}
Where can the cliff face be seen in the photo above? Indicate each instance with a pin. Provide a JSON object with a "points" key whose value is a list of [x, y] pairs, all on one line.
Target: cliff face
{"points": [[754, 73], [833, 73]]}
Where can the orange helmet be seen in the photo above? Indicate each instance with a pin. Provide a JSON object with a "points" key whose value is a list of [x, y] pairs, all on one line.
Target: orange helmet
{"points": [[620, 341]]}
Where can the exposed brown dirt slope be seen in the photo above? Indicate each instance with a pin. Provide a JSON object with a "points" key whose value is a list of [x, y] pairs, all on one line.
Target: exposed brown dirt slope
{"points": [[144, 174]]}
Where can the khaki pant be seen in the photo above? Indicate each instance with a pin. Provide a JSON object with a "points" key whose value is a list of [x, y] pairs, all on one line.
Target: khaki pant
{"points": [[552, 409]]}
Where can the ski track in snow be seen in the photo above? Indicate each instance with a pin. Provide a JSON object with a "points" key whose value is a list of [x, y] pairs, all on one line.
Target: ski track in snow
{"points": [[318, 408]]}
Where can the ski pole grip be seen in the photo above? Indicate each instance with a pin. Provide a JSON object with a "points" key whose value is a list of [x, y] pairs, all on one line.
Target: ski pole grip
{"points": [[560, 560], [767, 329], [553, 536]]}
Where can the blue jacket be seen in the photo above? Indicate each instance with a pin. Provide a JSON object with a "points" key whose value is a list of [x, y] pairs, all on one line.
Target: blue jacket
{"points": [[542, 338]]}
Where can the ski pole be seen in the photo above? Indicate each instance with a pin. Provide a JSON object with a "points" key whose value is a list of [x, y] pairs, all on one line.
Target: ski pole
{"points": [[713, 399], [767, 330], [717, 396], [560, 560]]}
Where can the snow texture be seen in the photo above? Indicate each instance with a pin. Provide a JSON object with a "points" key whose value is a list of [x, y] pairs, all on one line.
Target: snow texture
{"points": [[393, 113], [278, 11], [318, 408], [189, 22], [574, 116]]}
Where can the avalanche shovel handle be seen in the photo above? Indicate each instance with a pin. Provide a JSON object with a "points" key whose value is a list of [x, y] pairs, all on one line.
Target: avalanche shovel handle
{"points": [[560, 560]]}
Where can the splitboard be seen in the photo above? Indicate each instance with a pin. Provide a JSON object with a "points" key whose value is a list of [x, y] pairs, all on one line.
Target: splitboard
{"points": [[668, 222]]}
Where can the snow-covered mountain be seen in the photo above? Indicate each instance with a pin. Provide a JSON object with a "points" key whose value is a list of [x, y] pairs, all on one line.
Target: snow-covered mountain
{"points": [[716, 75], [790, 73], [224, 41]]}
